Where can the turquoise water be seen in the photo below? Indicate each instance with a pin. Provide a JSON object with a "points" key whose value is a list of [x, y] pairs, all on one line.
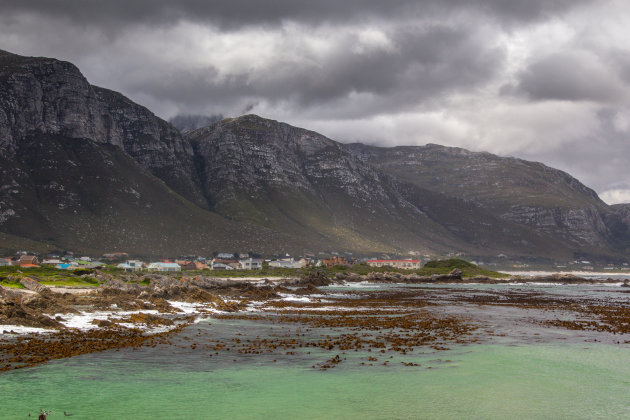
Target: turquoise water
{"points": [[541, 381]]}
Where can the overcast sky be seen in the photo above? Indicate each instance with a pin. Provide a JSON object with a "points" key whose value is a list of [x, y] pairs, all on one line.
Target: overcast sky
{"points": [[546, 80]]}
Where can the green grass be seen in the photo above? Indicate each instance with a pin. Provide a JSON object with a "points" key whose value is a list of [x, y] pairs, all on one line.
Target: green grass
{"points": [[48, 276], [11, 283], [70, 282]]}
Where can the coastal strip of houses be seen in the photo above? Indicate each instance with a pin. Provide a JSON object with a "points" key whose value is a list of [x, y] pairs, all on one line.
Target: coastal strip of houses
{"points": [[185, 265], [403, 264], [32, 261], [222, 261]]}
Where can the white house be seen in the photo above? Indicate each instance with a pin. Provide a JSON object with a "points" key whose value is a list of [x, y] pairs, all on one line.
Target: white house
{"points": [[285, 263], [251, 264], [52, 261], [221, 266], [131, 265], [161, 266]]}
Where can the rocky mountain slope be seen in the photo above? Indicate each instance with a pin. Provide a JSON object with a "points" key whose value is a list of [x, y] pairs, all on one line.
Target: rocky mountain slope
{"points": [[86, 168], [298, 181], [527, 193]]}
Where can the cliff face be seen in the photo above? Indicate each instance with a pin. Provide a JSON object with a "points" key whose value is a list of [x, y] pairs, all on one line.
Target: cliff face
{"points": [[152, 142], [48, 96], [258, 154]]}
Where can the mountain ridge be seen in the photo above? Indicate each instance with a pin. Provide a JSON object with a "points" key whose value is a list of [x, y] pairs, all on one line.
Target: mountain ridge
{"points": [[264, 185]]}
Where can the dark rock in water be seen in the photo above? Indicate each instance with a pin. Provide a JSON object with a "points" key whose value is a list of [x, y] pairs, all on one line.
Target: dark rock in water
{"points": [[309, 289], [315, 278], [625, 283], [560, 278]]}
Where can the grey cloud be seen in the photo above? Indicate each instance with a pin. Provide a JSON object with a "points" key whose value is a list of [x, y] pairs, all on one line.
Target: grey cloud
{"points": [[599, 159], [620, 59], [423, 65], [187, 122], [257, 12], [568, 76]]}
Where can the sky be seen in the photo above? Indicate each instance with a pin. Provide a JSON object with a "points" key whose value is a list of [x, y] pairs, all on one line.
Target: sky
{"points": [[544, 80]]}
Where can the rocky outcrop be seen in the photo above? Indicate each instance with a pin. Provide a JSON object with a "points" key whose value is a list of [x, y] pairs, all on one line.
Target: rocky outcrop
{"points": [[33, 285], [152, 142], [265, 153], [47, 96]]}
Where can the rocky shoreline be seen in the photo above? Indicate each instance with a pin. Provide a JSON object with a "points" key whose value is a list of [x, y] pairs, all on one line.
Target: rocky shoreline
{"points": [[40, 323], [456, 276]]}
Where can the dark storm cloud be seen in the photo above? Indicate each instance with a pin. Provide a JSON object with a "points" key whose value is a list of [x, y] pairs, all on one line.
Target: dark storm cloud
{"points": [[418, 65], [599, 158], [568, 76], [255, 12]]}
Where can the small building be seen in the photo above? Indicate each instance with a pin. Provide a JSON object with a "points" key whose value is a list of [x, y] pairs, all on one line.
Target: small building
{"points": [[403, 264], [186, 265], [192, 265], [221, 266], [28, 259], [201, 266], [164, 266], [4, 262], [131, 265], [67, 266], [251, 264], [285, 263], [333, 261]]}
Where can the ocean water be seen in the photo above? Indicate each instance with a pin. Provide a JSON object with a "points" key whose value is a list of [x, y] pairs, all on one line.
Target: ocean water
{"points": [[560, 376]]}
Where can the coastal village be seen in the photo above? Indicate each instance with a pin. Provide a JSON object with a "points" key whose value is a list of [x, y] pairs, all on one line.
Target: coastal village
{"points": [[225, 261], [221, 261]]}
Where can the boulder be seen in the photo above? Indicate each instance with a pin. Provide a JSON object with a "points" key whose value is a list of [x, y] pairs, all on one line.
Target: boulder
{"points": [[33, 285]]}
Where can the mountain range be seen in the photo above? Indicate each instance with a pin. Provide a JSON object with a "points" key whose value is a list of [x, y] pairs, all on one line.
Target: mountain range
{"points": [[84, 168]]}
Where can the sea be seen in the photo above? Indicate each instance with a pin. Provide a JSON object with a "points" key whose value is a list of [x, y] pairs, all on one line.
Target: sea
{"points": [[522, 370]]}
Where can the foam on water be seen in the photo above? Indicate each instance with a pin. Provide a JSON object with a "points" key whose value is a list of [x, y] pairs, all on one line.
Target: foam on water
{"points": [[19, 329], [84, 320], [293, 298]]}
